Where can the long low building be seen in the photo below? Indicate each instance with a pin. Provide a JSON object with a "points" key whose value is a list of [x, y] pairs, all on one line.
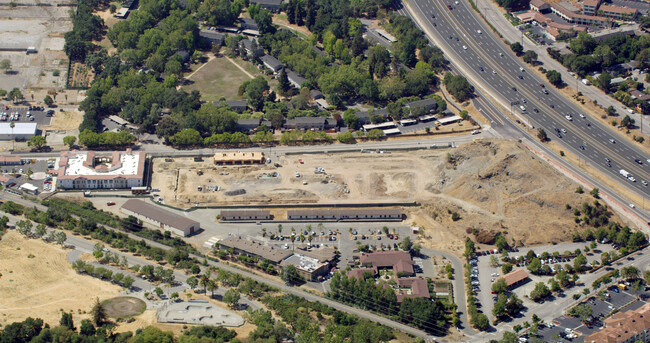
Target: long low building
{"points": [[255, 157], [346, 214], [161, 218], [244, 215], [515, 278], [254, 248]]}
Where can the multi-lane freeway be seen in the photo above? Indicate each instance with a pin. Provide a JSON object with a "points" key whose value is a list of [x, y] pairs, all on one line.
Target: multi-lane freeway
{"points": [[490, 65]]}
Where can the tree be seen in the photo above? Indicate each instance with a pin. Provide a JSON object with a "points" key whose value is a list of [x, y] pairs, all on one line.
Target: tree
{"points": [[40, 230], [255, 91], [595, 193], [186, 138], [541, 134], [480, 321], [514, 305], [87, 328], [555, 78], [604, 81], [458, 86], [66, 320], [540, 292], [406, 244], [128, 281], [627, 122], [501, 243], [499, 309], [48, 101], [506, 268], [290, 275], [24, 227], [60, 238], [579, 262], [5, 65], [535, 266], [530, 57], [69, 141], [494, 261], [192, 281], [345, 138], [351, 120], [517, 48], [15, 95], [283, 82], [630, 272], [582, 311], [231, 297], [500, 286], [98, 313], [37, 142]]}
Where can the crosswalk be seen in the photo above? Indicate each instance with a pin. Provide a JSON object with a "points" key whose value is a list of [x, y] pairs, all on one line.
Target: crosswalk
{"points": [[211, 242]]}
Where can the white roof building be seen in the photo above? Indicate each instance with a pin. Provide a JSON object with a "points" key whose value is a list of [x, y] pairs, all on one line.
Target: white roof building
{"points": [[20, 131]]}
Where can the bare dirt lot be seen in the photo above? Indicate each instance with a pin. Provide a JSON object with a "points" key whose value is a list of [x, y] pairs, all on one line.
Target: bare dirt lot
{"points": [[38, 281], [124, 307], [491, 184], [41, 27]]}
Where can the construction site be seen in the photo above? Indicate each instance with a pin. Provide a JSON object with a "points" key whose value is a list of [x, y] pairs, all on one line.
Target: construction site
{"points": [[491, 185]]}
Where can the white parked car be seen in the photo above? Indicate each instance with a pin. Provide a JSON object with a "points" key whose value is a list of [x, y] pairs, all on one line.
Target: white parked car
{"points": [[568, 117]]}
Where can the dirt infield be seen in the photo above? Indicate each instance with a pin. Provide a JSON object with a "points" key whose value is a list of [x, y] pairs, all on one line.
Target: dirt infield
{"points": [[124, 307]]}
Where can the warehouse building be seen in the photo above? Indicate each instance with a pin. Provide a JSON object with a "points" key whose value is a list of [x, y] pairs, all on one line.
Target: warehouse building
{"points": [[163, 219], [20, 132], [384, 214], [101, 170], [244, 215], [251, 247], [255, 157]]}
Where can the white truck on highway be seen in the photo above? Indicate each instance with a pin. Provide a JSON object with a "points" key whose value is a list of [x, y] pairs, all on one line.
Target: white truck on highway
{"points": [[624, 172]]}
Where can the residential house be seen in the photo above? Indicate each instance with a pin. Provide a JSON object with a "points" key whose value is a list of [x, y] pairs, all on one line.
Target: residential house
{"points": [[248, 125], [252, 50], [271, 5], [238, 106], [316, 94], [423, 106], [248, 24], [629, 326], [638, 95], [295, 79], [310, 123], [183, 54], [365, 117], [540, 6], [271, 63], [212, 37]]}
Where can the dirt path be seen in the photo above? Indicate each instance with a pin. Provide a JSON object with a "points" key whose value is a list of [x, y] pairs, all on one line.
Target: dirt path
{"points": [[240, 67]]}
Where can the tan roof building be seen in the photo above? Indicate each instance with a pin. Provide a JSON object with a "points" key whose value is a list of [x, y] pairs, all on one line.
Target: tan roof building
{"points": [[358, 273], [160, 217], [239, 157], [256, 248], [618, 12], [629, 326], [9, 160], [514, 278]]}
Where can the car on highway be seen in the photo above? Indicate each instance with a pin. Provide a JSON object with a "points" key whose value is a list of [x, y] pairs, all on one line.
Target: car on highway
{"points": [[608, 160], [464, 47], [481, 68], [645, 183], [449, 7], [545, 91], [581, 115], [563, 130], [632, 206], [522, 108], [521, 69], [535, 110], [433, 16], [494, 72], [479, 32], [638, 161], [568, 117], [514, 89], [475, 132], [541, 85], [612, 141], [434, 25], [582, 147], [520, 77]]}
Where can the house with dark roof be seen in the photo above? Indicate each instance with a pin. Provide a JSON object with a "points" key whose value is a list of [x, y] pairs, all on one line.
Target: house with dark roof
{"points": [[295, 79], [183, 54], [251, 50], [271, 5], [365, 117], [248, 24], [316, 94], [368, 214], [271, 63], [310, 123], [247, 125], [360, 273], [238, 106], [540, 6], [424, 105], [159, 217], [639, 95], [212, 37]]}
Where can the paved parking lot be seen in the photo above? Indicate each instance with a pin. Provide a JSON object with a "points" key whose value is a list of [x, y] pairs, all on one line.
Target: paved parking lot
{"points": [[40, 117], [39, 177]]}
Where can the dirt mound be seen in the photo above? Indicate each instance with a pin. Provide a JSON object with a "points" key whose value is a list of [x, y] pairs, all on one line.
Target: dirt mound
{"points": [[499, 186], [123, 307]]}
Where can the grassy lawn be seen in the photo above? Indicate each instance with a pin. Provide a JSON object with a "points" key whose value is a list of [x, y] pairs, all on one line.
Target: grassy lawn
{"points": [[219, 78]]}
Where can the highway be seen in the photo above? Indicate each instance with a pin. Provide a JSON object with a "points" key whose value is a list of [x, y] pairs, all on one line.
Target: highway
{"points": [[490, 65]]}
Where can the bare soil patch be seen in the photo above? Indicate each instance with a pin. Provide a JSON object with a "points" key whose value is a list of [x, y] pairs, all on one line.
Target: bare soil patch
{"points": [[65, 121], [42, 285], [121, 307]]}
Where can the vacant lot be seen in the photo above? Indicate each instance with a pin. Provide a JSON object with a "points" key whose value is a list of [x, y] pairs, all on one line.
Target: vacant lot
{"points": [[41, 27], [217, 78], [38, 281]]}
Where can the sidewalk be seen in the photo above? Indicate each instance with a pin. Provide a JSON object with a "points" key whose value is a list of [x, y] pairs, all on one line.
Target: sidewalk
{"points": [[492, 13]]}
